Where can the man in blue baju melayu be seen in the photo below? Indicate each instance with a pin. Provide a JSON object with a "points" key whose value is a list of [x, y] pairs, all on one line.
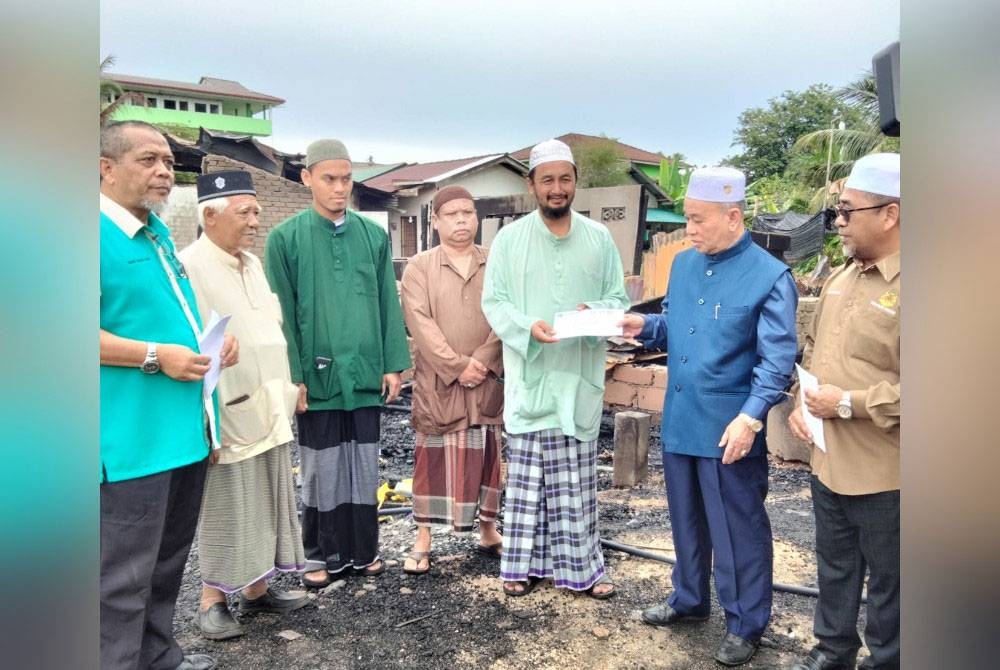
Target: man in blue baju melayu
{"points": [[728, 324]]}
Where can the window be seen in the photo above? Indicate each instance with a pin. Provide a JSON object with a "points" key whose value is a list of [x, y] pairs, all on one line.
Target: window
{"points": [[151, 102], [183, 105], [169, 104], [199, 107], [213, 109]]}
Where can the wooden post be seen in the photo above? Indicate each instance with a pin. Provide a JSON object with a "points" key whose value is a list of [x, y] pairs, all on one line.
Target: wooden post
{"points": [[631, 448]]}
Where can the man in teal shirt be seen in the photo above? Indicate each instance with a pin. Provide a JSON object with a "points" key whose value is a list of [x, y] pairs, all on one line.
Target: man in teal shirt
{"points": [[331, 269], [154, 415], [550, 261]]}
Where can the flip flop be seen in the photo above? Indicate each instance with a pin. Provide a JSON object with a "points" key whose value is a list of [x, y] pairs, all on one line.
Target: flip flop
{"points": [[369, 571], [418, 556], [606, 594], [529, 586], [491, 550]]}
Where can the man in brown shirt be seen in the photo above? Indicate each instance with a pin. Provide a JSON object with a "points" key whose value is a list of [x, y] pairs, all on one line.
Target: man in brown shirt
{"points": [[457, 393], [853, 349]]}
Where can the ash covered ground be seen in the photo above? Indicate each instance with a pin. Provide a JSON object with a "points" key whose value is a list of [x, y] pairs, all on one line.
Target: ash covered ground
{"points": [[457, 618]]}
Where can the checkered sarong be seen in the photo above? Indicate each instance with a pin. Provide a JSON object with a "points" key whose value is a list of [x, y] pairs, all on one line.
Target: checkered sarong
{"points": [[550, 521]]}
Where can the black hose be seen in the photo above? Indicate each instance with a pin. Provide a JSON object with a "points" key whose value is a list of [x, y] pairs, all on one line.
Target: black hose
{"points": [[642, 553]]}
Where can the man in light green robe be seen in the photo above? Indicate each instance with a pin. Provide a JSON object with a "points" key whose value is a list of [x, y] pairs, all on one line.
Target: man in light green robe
{"points": [[550, 261]]}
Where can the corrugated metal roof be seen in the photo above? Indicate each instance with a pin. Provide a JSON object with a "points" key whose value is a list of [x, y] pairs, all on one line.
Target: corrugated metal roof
{"points": [[574, 140], [424, 173], [207, 86]]}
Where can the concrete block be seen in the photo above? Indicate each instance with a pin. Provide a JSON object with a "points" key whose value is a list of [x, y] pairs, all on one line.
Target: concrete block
{"points": [[631, 448], [619, 393], [650, 399], [780, 440], [633, 374], [659, 376]]}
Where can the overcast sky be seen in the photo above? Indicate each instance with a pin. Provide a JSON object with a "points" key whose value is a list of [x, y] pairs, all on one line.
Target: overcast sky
{"points": [[438, 79]]}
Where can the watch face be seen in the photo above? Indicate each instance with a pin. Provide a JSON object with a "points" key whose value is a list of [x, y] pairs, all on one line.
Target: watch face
{"points": [[151, 367], [843, 411]]}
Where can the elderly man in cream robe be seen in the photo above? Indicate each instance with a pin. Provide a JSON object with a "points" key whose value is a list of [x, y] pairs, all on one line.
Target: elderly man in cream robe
{"points": [[249, 525]]}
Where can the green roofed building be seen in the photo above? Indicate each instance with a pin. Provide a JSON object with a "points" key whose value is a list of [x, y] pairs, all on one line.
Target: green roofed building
{"points": [[214, 104]]}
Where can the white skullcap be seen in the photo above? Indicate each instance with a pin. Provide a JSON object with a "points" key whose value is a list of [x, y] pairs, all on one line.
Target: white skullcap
{"points": [[548, 151], [876, 173], [717, 184]]}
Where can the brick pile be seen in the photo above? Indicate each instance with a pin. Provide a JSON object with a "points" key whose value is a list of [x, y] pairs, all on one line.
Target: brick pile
{"points": [[639, 387]]}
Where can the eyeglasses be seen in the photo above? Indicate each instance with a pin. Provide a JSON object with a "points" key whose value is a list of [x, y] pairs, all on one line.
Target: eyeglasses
{"points": [[845, 212]]}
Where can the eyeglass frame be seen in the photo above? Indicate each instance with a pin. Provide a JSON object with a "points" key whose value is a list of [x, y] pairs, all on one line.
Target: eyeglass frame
{"points": [[845, 212]]}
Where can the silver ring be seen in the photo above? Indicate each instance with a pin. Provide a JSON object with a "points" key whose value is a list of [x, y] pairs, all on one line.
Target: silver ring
{"points": [[744, 453]]}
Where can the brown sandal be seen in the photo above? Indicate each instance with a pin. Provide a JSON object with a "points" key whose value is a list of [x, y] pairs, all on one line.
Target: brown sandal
{"points": [[418, 556]]}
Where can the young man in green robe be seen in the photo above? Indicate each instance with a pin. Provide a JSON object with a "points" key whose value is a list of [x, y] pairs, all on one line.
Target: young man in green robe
{"points": [[331, 269]]}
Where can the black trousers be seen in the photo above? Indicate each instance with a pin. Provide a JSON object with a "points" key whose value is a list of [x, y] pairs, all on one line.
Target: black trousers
{"points": [[147, 525], [854, 533]]}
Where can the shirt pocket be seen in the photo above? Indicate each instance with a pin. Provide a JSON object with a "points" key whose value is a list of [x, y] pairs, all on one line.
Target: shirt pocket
{"points": [[735, 321], [364, 280], [876, 336]]}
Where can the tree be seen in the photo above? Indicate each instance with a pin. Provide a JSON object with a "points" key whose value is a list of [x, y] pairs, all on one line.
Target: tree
{"points": [[809, 153], [111, 94], [768, 134], [600, 163]]}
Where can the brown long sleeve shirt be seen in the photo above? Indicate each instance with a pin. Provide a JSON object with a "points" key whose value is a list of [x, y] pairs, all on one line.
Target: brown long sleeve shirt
{"points": [[853, 343], [443, 314]]}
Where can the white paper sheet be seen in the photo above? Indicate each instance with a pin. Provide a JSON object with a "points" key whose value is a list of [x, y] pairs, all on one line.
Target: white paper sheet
{"points": [[579, 322], [809, 382], [210, 344]]}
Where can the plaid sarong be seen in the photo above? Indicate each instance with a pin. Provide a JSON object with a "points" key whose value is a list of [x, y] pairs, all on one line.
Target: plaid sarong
{"points": [[455, 473], [550, 521]]}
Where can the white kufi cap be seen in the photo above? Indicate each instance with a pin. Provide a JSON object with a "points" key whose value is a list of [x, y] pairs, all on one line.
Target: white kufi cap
{"points": [[548, 151], [876, 173], [717, 184]]}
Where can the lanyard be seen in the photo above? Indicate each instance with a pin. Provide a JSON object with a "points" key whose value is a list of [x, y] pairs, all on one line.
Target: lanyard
{"points": [[206, 398]]}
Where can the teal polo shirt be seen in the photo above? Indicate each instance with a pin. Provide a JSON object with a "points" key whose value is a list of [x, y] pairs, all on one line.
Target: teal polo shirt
{"points": [[149, 423]]}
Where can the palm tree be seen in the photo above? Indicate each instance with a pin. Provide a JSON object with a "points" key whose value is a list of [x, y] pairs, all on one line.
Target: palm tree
{"points": [[112, 95], [810, 152]]}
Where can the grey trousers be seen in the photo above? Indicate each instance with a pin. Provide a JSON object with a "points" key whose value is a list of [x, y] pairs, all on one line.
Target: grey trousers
{"points": [[147, 525], [855, 533]]}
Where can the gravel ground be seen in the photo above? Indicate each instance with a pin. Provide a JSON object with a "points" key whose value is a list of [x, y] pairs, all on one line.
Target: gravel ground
{"points": [[456, 618]]}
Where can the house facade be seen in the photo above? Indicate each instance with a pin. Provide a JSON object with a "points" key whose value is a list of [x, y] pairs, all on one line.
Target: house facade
{"points": [[215, 104], [414, 186]]}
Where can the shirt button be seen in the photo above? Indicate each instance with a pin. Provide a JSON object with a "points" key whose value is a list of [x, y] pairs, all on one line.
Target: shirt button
{"points": [[684, 359], [691, 330], [701, 301], [708, 273], [677, 387]]}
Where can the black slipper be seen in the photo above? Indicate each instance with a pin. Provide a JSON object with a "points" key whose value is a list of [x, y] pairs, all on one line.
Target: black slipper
{"points": [[529, 586], [369, 571], [602, 596], [311, 584], [491, 550]]}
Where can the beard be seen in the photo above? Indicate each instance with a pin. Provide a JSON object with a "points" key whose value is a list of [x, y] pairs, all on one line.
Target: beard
{"points": [[556, 212], [154, 206]]}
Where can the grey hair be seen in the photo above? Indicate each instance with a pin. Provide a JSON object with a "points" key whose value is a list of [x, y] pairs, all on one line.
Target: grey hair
{"points": [[114, 140], [217, 205]]}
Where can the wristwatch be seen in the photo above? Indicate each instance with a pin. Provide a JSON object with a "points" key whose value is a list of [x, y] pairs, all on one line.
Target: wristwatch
{"points": [[844, 406], [756, 425], [152, 364]]}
